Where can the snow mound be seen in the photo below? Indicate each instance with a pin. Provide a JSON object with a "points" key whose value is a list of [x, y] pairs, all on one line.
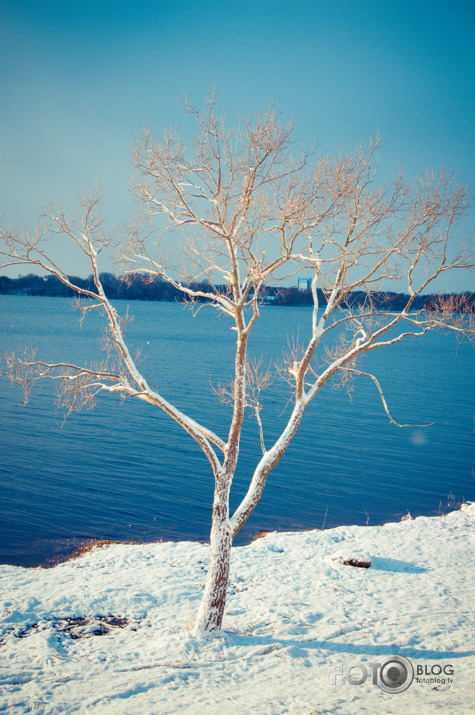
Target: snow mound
{"points": [[108, 633]]}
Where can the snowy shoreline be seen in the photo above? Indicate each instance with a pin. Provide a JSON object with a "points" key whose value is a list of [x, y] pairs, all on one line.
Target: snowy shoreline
{"points": [[295, 614], [57, 550]]}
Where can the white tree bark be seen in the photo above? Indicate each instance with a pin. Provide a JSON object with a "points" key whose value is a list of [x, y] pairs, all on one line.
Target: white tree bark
{"points": [[211, 610]]}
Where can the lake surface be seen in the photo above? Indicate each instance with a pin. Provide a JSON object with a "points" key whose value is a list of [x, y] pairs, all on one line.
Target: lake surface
{"points": [[126, 471]]}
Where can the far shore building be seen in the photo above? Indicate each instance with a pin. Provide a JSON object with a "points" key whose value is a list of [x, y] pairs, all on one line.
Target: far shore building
{"points": [[304, 284]]}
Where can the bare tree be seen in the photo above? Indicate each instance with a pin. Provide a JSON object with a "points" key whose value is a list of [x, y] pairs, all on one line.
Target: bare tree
{"points": [[244, 209]]}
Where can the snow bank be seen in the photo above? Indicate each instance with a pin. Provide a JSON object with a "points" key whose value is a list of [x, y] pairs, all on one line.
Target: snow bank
{"points": [[107, 633]]}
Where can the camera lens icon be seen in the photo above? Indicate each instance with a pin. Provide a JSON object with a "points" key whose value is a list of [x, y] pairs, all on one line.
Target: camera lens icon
{"points": [[395, 674]]}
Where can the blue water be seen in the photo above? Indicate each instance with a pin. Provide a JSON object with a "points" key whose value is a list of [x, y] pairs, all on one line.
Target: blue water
{"points": [[126, 471]]}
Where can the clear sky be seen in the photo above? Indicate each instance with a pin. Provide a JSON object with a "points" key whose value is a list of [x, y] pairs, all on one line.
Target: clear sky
{"points": [[78, 79]]}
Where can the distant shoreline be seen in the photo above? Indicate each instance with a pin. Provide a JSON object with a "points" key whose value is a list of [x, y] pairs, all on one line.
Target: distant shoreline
{"points": [[158, 290]]}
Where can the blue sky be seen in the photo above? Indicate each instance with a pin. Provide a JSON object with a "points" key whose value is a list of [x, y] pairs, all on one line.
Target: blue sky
{"points": [[79, 79]]}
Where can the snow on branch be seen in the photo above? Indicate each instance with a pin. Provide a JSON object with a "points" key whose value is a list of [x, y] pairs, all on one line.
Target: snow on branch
{"points": [[257, 379]]}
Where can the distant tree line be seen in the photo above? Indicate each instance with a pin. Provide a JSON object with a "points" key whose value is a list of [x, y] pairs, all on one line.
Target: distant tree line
{"points": [[139, 287], [381, 299]]}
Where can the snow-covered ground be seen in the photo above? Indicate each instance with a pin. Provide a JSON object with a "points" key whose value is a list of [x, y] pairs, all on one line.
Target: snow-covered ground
{"points": [[107, 632]]}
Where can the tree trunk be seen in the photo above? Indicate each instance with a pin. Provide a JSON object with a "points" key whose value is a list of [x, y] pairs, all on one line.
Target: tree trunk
{"points": [[211, 611]]}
